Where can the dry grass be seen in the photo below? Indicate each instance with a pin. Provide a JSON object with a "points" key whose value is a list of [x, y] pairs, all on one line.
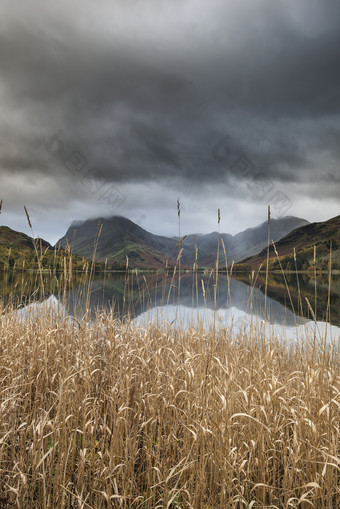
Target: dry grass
{"points": [[103, 415]]}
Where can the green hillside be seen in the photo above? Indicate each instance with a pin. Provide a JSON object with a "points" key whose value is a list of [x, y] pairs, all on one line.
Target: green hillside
{"points": [[17, 249], [321, 235], [17, 252]]}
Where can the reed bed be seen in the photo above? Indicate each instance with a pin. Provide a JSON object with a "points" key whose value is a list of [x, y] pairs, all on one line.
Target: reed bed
{"points": [[104, 414]]}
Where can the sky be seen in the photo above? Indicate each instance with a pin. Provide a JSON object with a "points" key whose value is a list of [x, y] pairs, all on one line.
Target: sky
{"points": [[122, 107]]}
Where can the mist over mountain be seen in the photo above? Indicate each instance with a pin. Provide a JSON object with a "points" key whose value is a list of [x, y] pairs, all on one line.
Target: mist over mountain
{"points": [[120, 238]]}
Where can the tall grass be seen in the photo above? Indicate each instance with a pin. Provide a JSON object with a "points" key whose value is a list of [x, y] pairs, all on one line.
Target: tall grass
{"points": [[97, 412], [107, 414]]}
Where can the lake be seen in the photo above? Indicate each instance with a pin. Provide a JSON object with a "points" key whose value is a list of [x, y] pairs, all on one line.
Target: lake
{"points": [[237, 302]]}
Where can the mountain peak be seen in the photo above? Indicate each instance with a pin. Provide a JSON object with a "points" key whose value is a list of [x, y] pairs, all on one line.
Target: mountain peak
{"points": [[76, 222]]}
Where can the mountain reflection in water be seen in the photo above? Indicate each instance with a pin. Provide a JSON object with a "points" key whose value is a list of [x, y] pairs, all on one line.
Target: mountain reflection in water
{"points": [[137, 294]]}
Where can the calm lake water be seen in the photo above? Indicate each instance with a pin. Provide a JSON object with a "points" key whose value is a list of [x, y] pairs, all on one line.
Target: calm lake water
{"points": [[162, 298]]}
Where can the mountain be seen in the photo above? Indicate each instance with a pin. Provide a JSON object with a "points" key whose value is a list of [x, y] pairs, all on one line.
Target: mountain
{"points": [[120, 237], [303, 239], [15, 247]]}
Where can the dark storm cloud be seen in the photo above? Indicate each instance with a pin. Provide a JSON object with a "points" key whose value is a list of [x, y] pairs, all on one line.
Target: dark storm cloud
{"points": [[146, 90]]}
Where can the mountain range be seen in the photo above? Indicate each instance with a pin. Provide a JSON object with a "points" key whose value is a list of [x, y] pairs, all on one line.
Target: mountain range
{"points": [[119, 237]]}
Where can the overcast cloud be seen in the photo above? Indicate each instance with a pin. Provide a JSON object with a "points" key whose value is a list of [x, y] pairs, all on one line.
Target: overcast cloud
{"points": [[230, 104]]}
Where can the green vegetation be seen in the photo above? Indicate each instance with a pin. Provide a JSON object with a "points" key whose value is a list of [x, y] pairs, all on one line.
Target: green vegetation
{"points": [[304, 259], [242, 267]]}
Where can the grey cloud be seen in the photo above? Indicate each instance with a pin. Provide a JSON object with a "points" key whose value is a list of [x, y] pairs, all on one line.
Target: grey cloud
{"points": [[145, 91]]}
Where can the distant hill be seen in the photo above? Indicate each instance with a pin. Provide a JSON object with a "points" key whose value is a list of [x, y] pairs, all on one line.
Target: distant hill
{"points": [[120, 237], [15, 247], [303, 239], [18, 240], [17, 252]]}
